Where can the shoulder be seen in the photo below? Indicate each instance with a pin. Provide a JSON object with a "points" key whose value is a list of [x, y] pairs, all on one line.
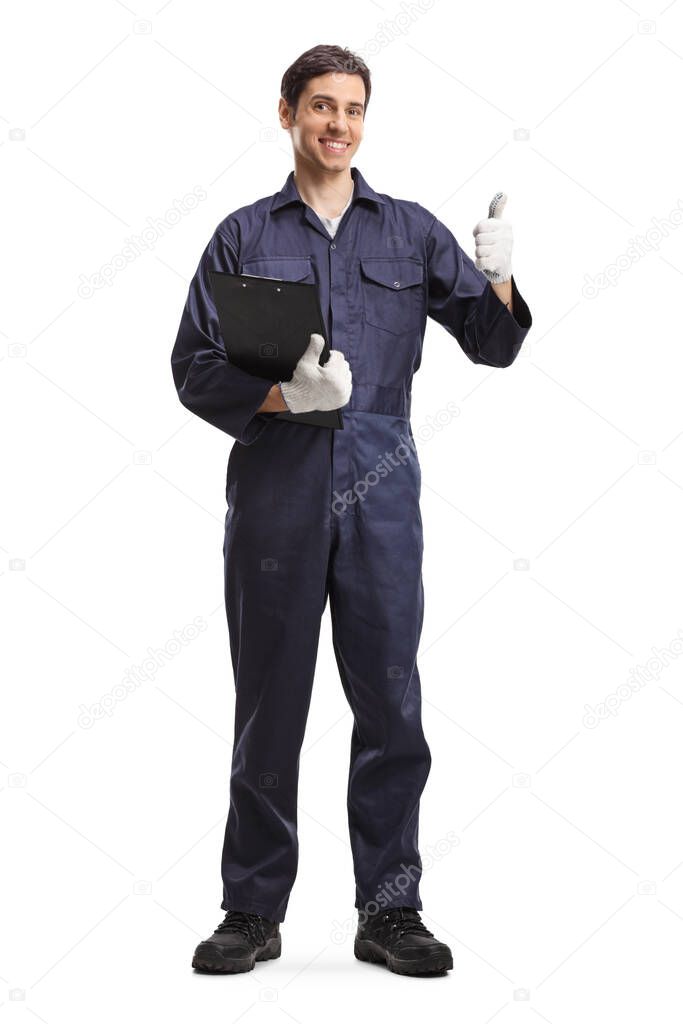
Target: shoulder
{"points": [[241, 221], [421, 218]]}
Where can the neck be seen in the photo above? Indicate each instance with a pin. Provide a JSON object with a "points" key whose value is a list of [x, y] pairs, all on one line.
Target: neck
{"points": [[327, 192]]}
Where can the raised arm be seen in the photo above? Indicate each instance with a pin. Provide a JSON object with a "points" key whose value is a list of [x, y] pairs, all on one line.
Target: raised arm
{"points": [[463, 300]]}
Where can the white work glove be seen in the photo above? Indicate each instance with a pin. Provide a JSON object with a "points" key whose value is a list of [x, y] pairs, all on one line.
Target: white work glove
{"points": [[493, 243], [318, 387]]}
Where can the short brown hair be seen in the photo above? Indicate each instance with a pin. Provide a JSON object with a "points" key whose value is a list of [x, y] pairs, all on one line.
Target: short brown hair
{"points": [[320, 60]]}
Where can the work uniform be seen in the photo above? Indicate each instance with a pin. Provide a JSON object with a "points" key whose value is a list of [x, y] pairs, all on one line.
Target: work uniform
{"points": [[314, 513]]}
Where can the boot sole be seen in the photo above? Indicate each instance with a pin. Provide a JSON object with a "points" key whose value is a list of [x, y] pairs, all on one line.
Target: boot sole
{"points": [[371, 953], [210, 958]]}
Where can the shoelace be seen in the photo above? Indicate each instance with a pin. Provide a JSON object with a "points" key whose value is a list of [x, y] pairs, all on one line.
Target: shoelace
{"points": [[247, 924], [404, 920]]}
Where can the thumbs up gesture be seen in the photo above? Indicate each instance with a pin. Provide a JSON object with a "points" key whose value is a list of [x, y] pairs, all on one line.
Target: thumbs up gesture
{"points": [[493, 243]]}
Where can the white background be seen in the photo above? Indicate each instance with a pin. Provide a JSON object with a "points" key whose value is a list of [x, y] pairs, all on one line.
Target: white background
{"points": [[562, 898]]}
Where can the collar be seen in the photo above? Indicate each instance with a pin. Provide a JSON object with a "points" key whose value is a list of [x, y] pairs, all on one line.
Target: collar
{"points": [[290, 194]]}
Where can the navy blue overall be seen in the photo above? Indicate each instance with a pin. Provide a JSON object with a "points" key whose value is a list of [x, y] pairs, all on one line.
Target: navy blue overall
{"points": [[316, 513]]}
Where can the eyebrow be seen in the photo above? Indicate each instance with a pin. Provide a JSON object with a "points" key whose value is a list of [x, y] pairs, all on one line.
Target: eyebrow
{"points": [[323, 96]]}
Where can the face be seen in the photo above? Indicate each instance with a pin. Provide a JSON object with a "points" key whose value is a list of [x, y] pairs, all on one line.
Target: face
{"points": [[330, 110]]}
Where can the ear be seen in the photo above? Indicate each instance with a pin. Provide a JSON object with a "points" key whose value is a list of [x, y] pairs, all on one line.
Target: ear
{"points": [[284, 113]]}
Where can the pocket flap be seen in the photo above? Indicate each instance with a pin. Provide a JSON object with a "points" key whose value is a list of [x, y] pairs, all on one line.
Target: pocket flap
{"points": [[279, 268], [393, 273]]}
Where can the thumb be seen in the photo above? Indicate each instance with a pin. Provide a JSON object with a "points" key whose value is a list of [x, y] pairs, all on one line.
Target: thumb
{"points": [[312, 354], [497, 204]]}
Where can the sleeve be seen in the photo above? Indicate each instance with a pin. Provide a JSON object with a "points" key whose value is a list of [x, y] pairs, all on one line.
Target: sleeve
{"points": [[207, 384], [461, 299]]}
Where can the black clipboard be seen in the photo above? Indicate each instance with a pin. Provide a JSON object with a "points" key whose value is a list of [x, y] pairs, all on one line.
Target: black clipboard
{"points": [[266, 325]]}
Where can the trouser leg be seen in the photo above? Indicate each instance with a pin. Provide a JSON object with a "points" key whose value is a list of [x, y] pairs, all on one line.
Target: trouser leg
{"points": [[376, 606], [276, 557]]}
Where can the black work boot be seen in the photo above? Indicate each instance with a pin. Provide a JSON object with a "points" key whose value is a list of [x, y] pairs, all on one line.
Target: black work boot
{"points": [[398, 938], [238, 942]]}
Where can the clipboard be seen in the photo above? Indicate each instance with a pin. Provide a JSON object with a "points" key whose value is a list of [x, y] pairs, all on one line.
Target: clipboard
{"points": [[266, 325]]}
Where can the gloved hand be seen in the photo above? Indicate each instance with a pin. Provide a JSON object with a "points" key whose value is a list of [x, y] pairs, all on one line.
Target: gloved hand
{"points": [[493, 243], [318, 387]]}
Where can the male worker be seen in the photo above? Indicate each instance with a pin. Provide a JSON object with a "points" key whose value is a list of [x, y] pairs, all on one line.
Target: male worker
{"points": [[299, 529]]}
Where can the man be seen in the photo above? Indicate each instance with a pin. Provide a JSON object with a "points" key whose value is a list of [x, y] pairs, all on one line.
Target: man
{"points": [[316, 513]]}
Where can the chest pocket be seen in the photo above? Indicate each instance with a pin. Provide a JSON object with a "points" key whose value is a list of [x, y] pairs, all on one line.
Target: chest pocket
{"points": [[392, 292], [281, 268]]}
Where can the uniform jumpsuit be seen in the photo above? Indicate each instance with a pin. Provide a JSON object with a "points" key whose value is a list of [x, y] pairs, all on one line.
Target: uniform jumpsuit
{"points": [[315, 513]]}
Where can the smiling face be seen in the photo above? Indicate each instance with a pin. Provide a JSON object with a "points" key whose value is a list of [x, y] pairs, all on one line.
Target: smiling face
{"points": [[328, 126]]}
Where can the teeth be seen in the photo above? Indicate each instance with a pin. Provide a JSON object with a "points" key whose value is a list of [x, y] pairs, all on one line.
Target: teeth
{"points": [[335, 145]]}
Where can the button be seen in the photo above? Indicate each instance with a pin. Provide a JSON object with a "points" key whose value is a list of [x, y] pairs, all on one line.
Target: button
{"points": [[333, 246], [397, 284]]}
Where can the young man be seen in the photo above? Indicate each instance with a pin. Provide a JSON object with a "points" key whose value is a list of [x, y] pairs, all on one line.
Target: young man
{"points": [[316, 513]]}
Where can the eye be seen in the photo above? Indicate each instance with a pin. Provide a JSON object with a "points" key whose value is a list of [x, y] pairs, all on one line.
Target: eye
{"points": [[321, 103]]}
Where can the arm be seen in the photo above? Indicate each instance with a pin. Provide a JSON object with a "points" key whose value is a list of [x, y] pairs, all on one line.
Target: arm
{"points": [[474, 311], [207, 384], [504, 293], [274, 402]]}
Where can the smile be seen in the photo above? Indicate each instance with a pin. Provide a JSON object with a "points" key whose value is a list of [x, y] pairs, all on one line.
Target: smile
{"points": [[333, 146]]}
